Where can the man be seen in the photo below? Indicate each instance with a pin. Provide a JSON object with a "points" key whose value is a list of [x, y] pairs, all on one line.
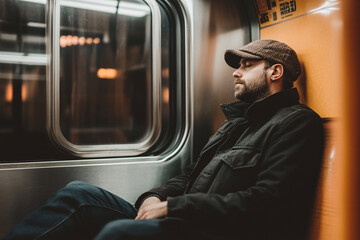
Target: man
{"points": [[254, 179]]}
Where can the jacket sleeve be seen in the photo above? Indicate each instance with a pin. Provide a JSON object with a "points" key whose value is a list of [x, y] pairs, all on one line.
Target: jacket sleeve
{"points": [[289, 168], [173, 187]]}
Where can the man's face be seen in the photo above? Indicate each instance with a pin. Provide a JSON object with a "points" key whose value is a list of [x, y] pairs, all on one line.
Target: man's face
{"points": [[251, 80]]}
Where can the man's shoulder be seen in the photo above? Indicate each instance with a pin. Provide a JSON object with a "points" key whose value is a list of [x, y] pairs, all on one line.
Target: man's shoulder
{"points": [[302, 109], [296, 112]]}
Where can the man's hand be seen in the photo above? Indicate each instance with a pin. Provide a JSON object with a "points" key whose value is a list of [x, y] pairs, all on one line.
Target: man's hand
{"points": [[152, 208], [148, 201]]}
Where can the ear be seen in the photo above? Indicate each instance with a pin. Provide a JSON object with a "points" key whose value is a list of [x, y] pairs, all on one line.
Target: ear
{"points": [[277, 72]]}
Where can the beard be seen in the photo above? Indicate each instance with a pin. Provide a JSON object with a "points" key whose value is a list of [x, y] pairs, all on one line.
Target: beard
{"points": [[254, 90]]}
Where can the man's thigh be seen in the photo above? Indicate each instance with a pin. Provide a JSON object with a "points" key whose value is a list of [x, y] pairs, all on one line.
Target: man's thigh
{"points": [[129, 229], [77, 211], [91, 208]]}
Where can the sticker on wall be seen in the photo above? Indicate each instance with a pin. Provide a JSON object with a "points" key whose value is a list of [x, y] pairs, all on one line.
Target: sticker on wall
{"points": [[274, 11]]}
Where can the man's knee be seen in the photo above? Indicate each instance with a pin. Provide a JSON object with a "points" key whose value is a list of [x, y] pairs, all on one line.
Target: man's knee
{"points": [[131, 230], [77, 185], [75, 192]]}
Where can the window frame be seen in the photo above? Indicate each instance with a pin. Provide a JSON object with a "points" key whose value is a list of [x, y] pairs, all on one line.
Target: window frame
{"points": [[53, 92]]}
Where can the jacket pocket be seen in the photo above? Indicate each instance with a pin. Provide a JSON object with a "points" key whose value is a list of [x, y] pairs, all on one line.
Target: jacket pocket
{"points": [[242, 157], [238, 170]]}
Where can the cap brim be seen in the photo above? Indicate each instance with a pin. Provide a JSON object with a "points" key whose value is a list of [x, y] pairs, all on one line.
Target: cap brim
{"points": [[233, 57]]}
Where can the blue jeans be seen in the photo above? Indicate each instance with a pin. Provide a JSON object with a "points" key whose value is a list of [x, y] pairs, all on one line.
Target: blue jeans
{"points": [[83, 211]]}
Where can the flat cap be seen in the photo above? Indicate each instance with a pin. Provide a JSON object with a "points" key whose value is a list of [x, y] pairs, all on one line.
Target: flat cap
{"points": [[266, 49]]}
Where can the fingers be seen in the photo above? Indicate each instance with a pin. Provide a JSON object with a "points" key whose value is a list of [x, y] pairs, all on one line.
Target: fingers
{"points": [[156, 210], [149, 201], [140, 215], [146, 213]]}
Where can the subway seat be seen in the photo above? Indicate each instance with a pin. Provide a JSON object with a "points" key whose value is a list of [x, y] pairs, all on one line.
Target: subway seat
{"points": [[324, 212]]}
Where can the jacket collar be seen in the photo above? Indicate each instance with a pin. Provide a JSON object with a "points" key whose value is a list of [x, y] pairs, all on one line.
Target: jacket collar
{"points": [[263, 108]]}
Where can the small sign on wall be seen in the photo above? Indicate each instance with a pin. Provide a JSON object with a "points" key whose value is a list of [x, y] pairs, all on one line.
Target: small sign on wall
{"points": [[274, 11], [271, 12]]}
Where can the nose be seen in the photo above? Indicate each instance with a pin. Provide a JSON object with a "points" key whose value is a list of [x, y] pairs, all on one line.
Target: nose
{"points": [[237, 73]]}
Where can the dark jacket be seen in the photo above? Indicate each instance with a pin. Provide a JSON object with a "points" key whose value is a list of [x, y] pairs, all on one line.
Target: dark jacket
{"points": [[256, 176]]}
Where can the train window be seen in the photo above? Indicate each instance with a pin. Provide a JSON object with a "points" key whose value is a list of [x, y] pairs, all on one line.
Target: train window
{"points": [[107, 85], [22, 79], [94, 76]]}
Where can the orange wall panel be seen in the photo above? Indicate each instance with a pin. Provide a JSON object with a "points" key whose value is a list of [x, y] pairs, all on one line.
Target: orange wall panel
{"points": [[316, 31], [326, 35], [350, 128], [316, 35]]}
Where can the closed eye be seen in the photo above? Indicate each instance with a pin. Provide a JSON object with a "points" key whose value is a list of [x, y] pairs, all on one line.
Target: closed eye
{"points": [[246, 63]]}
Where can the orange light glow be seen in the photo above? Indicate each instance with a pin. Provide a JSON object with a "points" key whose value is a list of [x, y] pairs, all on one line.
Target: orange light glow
{"points": [[9, 93], [63, 41], [89, 40], [166, 95], [75, 40], [96, 40], [68, 40], [24, 93], [81, 41], [107, 73], [165, 73]]}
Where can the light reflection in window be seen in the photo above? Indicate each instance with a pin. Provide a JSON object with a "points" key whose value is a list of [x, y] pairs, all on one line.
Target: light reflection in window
{"points": [[69, 40]]}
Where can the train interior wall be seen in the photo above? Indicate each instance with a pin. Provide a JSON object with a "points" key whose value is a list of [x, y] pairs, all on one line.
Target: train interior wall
{"points": [[324, 32], [211, 27]]}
